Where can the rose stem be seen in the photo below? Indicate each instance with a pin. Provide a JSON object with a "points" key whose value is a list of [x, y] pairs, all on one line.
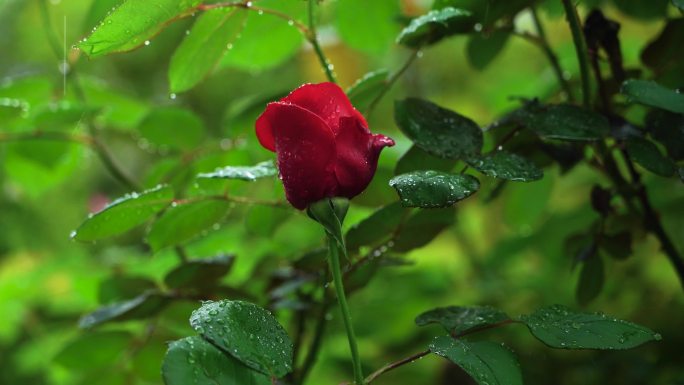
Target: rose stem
{"points": [[313, 39], [334, 260]]}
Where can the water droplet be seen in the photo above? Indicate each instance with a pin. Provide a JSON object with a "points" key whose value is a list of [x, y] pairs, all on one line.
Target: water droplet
{"points": [[172, 96], [147, 42]]}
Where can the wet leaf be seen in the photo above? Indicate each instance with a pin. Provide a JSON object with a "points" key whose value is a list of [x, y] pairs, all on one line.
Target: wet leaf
{"points": [[460, 319], [199, 273], [131, 24], [488, 363], [432, 189], [142, 306], [124, 214], [567, 122], [505, 165], [436, 130], [193, 360], [248, 173], [653, 94], [247, 332], [204, 45], [559, 327], [434, 26]]}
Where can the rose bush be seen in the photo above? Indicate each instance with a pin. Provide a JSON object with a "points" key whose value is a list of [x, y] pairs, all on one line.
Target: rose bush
{"points": [[323, 144]]}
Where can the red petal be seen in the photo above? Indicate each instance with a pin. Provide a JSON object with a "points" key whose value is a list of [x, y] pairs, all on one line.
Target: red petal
{"points": [[327, 100], [305, 148], [357, 156]]}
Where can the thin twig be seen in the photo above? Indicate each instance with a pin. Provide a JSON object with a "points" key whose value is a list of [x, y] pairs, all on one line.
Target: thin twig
{"points": [[312, 36], [580, 48], [390, 82], [550, 55]]}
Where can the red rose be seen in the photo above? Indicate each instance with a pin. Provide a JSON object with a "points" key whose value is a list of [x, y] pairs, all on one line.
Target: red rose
{"points": [[322, 142]]}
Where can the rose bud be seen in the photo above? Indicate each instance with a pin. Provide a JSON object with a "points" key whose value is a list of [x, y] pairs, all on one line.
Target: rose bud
{"points": [[323, 144]]}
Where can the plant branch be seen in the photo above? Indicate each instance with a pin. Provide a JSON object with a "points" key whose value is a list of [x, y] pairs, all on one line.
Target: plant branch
{"points": [[550, 55], [390, 82], [312, 37], [581, 49], [334, 261]]}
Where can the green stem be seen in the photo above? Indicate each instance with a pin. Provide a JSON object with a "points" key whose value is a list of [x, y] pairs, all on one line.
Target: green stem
{"points": [[550, 55], [580, 48], [334, 261], [313, 39]]}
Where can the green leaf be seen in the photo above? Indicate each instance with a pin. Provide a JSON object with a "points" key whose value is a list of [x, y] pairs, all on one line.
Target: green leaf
{"points": [[204, 46], [365, 90], [172, 127], [488, 363], [64, 115], [372, 30], [264, 220], [199, 273], [668, 129], [663, 55], [255, 50], [248, 173], [457, 319], [645, 10], [653, 94], [487, 12], [618, 246], [142, 306], [436, 130], [679, 4], [195, 361], [121, 288], [646, 154], [93, 350], [247, 332], [560, 327], [591, 280], [435, 26], [568, 122], [483, 48], [124, 214], [505, 165], [416, 159], [182, 223], [132, 23], [421, 228], [377, 227], [431, 189]]}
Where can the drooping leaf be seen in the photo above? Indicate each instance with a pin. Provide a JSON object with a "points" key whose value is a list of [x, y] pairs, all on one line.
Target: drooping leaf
{"points": [[488, 363], [248, 173], [255, 50], [132, 23], [483, 48], [646, 154], [247, 332], [559, 327], [421, 228], [124, 214], [204, 46], [436, 130], [568, 122], [434, 26], [459, 319], [193, 360], [376, 227], [199, 273], [93, 349], [653, 94], [142, 306], [432, 189], [591, 280], [184, 222], [172, 127], [505, 165], [372, 30], [416, 159], [367, 88]]}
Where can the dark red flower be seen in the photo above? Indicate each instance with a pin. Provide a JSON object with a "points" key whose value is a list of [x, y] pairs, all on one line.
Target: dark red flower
{"points": [[322, 142]]}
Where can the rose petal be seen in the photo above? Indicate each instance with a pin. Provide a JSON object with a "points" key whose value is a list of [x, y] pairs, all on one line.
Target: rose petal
{"points": [[327, 100], [305, 148], [357, 156]]}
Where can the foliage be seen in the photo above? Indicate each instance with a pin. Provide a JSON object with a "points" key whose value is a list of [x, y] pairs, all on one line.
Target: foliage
{"points": [[142, 140]]}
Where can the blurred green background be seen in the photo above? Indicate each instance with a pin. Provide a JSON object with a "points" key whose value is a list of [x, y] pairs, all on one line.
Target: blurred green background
{"points": [[509, 253]]}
